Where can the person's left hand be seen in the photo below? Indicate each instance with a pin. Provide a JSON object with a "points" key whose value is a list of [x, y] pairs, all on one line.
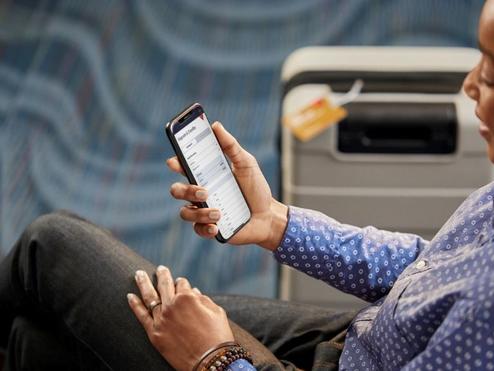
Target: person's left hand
{"points": [[185, 325]]}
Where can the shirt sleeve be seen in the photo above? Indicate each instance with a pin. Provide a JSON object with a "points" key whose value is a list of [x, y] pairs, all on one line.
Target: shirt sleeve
{"points": [[364, 262], [240, 365]]}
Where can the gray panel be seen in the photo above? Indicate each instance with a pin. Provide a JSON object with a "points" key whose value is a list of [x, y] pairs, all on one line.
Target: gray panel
{"points": [[403, 214], [321, 169]]}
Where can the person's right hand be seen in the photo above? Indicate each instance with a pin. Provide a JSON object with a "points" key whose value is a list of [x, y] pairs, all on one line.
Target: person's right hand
{"points": [[268, 217]]}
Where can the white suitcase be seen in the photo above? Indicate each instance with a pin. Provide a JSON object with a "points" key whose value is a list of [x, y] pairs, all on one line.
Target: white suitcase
{"points": [[407, 155]]}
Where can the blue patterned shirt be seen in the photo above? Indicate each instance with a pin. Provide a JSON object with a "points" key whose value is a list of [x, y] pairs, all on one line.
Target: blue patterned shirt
{"points": [[432, 302]]}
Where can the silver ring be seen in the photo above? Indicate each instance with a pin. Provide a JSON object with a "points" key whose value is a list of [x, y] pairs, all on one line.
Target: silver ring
{"points": [[153, 305]]}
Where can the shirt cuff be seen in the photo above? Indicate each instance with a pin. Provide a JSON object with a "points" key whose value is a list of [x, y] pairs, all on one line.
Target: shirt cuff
{"points": [[279, 251], [240, 364]]}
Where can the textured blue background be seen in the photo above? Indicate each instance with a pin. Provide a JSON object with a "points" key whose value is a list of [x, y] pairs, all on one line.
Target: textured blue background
{"points": [[86, 86]]}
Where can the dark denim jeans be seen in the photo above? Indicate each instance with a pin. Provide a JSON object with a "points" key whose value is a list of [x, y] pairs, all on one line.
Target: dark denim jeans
{"points": [[63, 306]]}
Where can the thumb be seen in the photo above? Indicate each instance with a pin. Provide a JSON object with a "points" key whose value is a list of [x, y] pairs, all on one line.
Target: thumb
{"points": [[229, 145]]}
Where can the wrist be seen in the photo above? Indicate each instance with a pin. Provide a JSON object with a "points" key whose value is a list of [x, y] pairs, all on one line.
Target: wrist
{"points": [[221, 356], [210, 354], [279, 221]]}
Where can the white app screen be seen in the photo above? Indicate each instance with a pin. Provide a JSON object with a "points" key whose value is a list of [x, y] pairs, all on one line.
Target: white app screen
{"points": [[212, 171]]}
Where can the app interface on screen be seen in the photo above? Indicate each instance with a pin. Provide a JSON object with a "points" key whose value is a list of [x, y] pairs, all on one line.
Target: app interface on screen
{"points": [[211, 171]]}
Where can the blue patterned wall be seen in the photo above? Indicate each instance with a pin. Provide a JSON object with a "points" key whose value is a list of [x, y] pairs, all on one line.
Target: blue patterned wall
{"points": [[86, 86]]}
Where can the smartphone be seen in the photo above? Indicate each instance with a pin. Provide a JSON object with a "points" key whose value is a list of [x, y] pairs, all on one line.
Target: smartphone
{"points": [[205, 165]]}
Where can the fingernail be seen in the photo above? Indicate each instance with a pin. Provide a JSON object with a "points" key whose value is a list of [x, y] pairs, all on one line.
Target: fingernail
{"points": [[214, 215], [202, 195], [210, 229], [161, 268], [130, 298], [140, 275], [178, 279]]}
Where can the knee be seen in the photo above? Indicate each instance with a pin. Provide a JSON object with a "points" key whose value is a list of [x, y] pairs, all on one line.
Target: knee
{"points": [[62, 234], [45, 226], [52, 230], [55, 219]]}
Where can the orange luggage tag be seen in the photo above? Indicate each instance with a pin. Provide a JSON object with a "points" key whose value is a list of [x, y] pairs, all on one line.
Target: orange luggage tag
{"points": [[312, 119]]}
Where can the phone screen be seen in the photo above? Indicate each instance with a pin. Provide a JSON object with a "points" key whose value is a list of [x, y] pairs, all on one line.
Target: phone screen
{"points": [[210, 169]]}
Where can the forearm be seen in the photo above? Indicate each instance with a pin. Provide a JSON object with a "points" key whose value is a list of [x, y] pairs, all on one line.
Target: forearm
{"points": [[362, 261]]}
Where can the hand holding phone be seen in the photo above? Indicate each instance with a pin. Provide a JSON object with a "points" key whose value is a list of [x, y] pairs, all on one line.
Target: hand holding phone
{"points": [[259, 229]]}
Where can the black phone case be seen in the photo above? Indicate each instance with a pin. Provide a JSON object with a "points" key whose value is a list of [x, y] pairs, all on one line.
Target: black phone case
{"points": [[188, 173]]}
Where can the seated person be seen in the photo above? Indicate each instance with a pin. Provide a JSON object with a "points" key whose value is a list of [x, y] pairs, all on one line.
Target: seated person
{"points": [[64, 285]]}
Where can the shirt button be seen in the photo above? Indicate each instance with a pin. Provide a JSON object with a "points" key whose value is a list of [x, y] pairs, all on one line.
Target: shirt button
{"points": [[421, 264]]}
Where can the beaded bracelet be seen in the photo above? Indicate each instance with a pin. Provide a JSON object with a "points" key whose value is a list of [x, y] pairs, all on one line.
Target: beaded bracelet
{"points": [[224, 355], [227, 356]]}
